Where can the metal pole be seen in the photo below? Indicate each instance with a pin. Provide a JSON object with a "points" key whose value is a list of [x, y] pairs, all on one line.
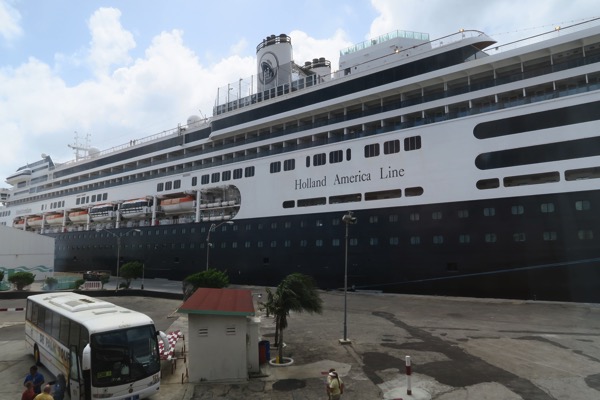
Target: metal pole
{"points": [[118, 259], [208, 244], [346, 287], [143, 273]]}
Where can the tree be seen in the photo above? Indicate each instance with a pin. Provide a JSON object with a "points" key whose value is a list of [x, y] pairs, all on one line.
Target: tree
{"points": [[131, 271], [21, 279], [297, 292], [211, 278]]}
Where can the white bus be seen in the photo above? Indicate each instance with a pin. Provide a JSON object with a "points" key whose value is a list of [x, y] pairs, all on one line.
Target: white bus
{"points": [[103, 350]]}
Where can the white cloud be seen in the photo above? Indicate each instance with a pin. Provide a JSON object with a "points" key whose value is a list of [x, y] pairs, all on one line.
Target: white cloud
{"points": [[110, 43], [10, 19]]}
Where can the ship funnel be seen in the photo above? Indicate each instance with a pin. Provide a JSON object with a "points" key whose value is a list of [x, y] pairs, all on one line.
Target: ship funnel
{"points": [[274, 55]]}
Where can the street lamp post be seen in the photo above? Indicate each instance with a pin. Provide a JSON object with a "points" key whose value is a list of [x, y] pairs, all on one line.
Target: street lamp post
{"points": [[208, 243], [118, 236], [347, 219]]}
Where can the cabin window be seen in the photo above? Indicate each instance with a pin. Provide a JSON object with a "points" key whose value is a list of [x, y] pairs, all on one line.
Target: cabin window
{"points": [[275, 167], [168, 185], [205, 179], [215, 177], [391, 147], [226, 175], [336, 156], [237, 173], [412, 143], [177, 184], [289, 165], [547, 207], [195, 181], [160, 187], [372, 150], [248, 172]]}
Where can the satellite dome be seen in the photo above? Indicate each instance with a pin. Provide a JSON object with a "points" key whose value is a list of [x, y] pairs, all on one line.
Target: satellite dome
{"points": [[193, 121], [93, 152]]}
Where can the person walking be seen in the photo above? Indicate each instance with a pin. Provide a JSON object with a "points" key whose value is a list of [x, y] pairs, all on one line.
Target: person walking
{"points": [[45, 395], [36, 378], [335, 387], [28, 393]]}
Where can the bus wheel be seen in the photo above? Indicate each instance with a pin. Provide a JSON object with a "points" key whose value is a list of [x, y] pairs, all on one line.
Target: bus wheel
{"points": [[36, 355]]}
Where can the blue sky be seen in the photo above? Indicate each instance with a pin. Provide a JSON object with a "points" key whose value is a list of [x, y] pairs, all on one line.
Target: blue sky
{"points": [[120, 70]]}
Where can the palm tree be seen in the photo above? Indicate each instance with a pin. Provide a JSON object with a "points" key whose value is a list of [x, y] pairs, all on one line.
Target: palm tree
{"points": [[297, 292]]}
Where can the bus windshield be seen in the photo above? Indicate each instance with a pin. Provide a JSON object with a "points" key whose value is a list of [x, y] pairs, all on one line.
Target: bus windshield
{"points": [[124, 356]]}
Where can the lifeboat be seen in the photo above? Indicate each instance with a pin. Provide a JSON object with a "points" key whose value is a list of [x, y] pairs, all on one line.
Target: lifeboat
{"points": [[35, 221], [102, 212], [136, 208], [19, 223], [80, 217], [54, 219], [178, 205]]}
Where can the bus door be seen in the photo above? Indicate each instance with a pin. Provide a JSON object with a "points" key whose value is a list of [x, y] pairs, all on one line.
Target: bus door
{"points": [[76, 386]]}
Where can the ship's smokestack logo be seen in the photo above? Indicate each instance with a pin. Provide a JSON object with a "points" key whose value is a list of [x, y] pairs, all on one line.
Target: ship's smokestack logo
{"points": [[268, 67]]}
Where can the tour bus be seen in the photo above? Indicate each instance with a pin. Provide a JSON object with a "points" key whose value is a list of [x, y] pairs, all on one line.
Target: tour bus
{"points": [[103, 350]]}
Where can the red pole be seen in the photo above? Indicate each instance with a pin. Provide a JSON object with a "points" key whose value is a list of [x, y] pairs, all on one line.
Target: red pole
{"points": [[408, 373]]}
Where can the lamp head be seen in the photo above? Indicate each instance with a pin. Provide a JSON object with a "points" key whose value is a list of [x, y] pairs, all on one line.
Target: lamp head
{"points": [[348, 218]]}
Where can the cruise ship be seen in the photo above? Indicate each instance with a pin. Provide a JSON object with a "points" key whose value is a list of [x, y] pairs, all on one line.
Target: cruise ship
{"points": [[452, 166]]}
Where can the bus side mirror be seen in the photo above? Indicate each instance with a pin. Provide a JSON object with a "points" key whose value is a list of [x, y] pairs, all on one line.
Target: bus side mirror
{"points": [[86, 359]]}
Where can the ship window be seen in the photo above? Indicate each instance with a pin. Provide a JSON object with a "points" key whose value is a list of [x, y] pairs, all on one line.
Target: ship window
{"points": [[319, 242], [247, 244], [303, 243], [346, 198], [372, 150], [463, 213], [438, 239], [177, 184], [289, 204], [585, 234], [348, 155], [393, 218], [205, 179], [394, 241], [517, 210], [489, 211], [391, 147], [289, 165], [582, 205], [77, 201], [413, 191], [307, 161], [160, 187], [583, 173], [336, 156], [93, 198], [194, 181], [215, 177], [550, 236], [226, 176], [105, 196], [373, 241], [464, 239], [319, 159], [519, 237], [317, 201], [168, 185], [488, 183], [237, 173], [273, 225], [414, 216], [248, 172], [547, 207], [412, 143], [335, 242], [275, 167], [436, 215], [415, 240], [373, 219], [353, 242], [490, 238]]}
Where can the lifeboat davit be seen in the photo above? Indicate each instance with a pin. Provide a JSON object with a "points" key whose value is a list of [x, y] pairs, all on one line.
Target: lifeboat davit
{"points": [[54, 219], [80, 217], [178, 205], [35, 221]]}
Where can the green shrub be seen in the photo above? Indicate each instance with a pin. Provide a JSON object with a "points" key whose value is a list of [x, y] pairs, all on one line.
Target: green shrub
{"points": [[211, 278], [21, 279]]}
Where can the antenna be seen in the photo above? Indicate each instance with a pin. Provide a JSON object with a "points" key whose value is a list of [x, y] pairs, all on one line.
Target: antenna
{"points": [[77, 146]]}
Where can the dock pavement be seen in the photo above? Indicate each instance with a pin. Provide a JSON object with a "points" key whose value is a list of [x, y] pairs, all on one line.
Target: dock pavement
{"points": [[459, 349]]}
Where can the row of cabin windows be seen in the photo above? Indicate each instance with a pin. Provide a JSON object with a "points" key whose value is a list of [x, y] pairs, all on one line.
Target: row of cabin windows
{"points": [[518, 237], [59, 327], [91, 199], [54, 205], [176, 184]]}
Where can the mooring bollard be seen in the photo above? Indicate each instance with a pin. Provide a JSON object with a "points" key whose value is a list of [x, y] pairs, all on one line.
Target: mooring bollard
{"points": [[408, 372]]}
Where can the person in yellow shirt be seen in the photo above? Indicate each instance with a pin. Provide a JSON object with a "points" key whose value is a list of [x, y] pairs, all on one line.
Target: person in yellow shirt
{"points": [[335, 387], [45, 395]]}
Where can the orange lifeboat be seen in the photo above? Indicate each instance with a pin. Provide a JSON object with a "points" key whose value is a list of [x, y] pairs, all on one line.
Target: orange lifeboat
{"points": [[54, 219], [35, 221], [103, 212], [178, 205], [80, 217]]}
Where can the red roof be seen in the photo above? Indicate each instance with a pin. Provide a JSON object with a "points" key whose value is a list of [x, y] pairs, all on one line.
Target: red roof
{"points": [[208, 301]]}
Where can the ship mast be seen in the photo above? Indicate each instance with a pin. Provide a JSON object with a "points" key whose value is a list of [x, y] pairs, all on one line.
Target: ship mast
{"points": [[79, 147]]}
